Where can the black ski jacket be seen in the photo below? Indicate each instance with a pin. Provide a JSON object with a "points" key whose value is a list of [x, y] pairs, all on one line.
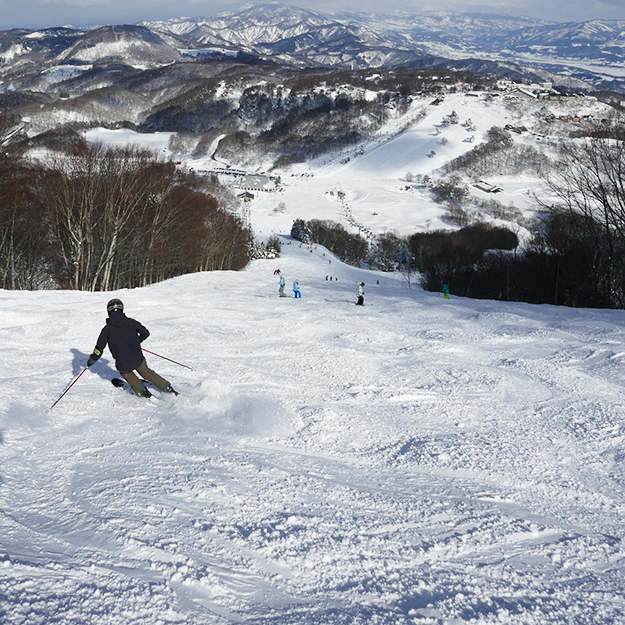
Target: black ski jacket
{"points": [[124, 337]]}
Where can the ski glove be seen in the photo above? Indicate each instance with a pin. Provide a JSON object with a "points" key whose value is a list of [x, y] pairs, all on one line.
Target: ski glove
{"points": [[94, 357]]}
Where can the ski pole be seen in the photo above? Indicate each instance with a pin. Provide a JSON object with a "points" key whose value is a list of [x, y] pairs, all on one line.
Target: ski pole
{"points": [[68, 387], [170, 360]]}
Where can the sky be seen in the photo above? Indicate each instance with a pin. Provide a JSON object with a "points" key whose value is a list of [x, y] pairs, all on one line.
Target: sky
{"points": [[35, 14]]}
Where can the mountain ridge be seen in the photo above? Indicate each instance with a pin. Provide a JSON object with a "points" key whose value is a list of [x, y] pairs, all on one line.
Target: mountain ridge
{"points": [[587, 52], [408, 37]]}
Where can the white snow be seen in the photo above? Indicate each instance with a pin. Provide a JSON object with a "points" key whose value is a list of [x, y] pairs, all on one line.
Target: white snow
{"points": [[14, 51], [414, 461], [158, 141], [60, 73], [200, 52]]}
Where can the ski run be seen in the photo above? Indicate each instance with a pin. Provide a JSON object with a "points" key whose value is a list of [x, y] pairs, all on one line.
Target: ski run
{"points": [[421, 460], [413, 461]]}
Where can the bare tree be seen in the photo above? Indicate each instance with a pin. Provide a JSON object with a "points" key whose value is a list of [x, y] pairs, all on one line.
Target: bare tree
{"points": [[122, 218], [589, 183]]}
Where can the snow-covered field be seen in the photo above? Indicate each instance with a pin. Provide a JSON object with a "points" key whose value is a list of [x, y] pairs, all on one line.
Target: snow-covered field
{"points": [[157, 141], [414, 461]]}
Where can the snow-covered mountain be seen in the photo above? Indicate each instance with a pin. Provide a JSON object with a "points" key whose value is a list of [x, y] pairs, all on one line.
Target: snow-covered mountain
{"points": [[309, 37], [591, 52]]}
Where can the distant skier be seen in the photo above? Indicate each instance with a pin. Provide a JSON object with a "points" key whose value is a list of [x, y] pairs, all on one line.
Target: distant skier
{"points": [[445, 290], [282, 285], [124, 336], [296, 290], [361, 294]]}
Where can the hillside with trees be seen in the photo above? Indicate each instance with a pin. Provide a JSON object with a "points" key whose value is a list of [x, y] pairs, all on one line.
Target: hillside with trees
{"points": [[104, 218]]}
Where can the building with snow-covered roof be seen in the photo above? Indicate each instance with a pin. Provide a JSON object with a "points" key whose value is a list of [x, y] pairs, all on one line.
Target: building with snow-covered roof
{"points": [[246, 196], [256, 182], [521, 93]]}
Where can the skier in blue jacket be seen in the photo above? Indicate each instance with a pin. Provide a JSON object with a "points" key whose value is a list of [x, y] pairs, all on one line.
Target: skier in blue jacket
{"points": [[124, 336], [296, 290]]}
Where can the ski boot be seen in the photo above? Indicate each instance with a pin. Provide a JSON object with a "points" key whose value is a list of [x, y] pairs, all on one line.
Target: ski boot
{"points": [[143, 391], [169, 389]]}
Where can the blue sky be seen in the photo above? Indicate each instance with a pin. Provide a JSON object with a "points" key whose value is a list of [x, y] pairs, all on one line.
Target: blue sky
{"points": [[43, 13]]}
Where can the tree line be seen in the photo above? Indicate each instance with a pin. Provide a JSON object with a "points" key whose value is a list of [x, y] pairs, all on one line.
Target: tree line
{"points": [[103, 218], [350, 248]]}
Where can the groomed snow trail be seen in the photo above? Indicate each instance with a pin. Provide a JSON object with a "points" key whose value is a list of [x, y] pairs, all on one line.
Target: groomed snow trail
{"points": [[413, 461]]}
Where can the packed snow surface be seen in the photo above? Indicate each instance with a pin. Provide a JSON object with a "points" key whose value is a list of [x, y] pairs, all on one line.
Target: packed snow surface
{"points": [[157, 141], [415, 460]]}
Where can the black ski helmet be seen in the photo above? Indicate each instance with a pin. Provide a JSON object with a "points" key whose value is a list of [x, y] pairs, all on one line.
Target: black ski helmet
{"points": [[113, 305]]}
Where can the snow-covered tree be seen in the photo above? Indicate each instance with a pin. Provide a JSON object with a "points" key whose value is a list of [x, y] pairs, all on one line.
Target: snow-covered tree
{"points": [[301, 232]]}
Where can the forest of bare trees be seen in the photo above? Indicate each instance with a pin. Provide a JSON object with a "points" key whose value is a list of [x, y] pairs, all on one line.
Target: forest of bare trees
{"points": [[499, 153], [584, 229], [97, 218], [350, 248]]}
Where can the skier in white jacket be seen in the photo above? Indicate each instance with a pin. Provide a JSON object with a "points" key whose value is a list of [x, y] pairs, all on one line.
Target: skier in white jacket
{"points": [[361, 294]]}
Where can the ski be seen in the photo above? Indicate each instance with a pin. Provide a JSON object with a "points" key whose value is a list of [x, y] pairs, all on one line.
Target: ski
{"points": [[154, 394], [122, 384], [162, 394]]}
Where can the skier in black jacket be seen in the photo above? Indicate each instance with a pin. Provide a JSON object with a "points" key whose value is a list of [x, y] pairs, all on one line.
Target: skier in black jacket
{"points": [[124, 337]]}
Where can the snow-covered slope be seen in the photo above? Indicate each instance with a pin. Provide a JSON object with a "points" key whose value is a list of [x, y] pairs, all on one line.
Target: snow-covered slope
{"points": [[131, 45], [369, 188], [416, 460]]}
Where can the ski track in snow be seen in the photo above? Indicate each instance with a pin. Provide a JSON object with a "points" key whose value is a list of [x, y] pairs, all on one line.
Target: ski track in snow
{"points": [[415, 461]]}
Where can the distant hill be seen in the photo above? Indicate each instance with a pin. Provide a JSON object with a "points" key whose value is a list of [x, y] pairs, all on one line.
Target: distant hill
{"points": [[591, 53]]}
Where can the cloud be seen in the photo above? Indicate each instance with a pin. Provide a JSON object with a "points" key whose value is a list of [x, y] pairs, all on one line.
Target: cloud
{"points": [[74, 3]]}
